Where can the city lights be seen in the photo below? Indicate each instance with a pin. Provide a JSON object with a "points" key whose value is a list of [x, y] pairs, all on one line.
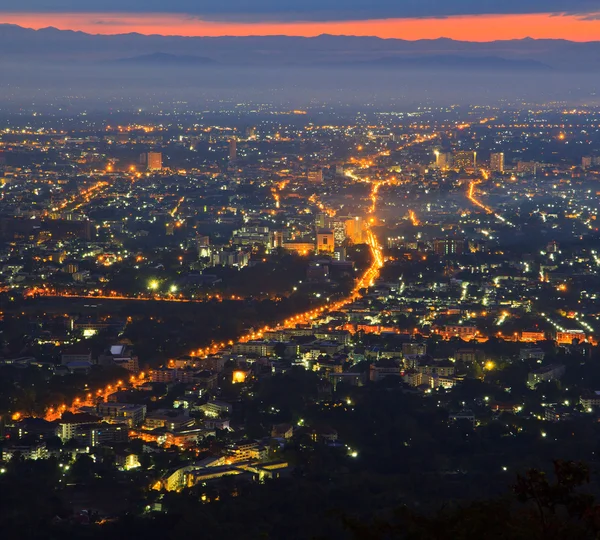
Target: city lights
{"points": [[215, 289]]}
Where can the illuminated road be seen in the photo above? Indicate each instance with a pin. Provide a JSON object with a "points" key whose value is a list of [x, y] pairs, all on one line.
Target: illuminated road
{"points": [[314, 199], [275, 191], [413, 218], [176, 209], [472, 196], [53, 293], [82, 198], [276, 197], [91, 398], [367, 279]]}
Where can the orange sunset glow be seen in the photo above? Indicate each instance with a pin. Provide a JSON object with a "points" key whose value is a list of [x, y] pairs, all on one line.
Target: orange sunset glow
{"points": [[468, 27]]}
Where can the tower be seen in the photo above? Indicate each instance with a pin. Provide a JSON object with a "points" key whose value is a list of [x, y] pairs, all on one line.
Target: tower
{"points": [[232, 150], [154, 161], [497, 162], [443, 160]]}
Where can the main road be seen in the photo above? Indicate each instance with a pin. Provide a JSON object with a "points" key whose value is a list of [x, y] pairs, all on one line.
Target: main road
{"points": [[367, 279], [472, 196]]}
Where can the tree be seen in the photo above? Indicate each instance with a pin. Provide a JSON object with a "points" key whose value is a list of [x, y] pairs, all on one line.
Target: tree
{"points": [[82, 469], [559, 509]]}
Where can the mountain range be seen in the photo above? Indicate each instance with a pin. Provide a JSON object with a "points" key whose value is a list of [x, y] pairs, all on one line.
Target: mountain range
{"points": [[22, 45]]}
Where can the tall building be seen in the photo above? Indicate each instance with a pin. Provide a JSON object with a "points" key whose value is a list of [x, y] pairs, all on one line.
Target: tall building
{"points": [[465, 160], [203, 246], [339, 230], [322, 221], [325, 241], [497, 162], [154, 161], [527, 167], [277, 239], [443, 160], [354, 229], [586, 162], [232, 149], [448, 246], [315, 176]]}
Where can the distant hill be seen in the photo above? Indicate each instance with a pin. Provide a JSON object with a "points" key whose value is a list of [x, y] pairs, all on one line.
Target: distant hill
{"points": [[20, 45], [166, 59]]}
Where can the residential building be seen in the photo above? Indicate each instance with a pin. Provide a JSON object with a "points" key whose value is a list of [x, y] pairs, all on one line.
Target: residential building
{"points": [[127, 413], [545, 374], [497, 162]]}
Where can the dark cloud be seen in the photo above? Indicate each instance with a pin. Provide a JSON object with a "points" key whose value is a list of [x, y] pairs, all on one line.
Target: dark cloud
{"points": [[306, 10]]}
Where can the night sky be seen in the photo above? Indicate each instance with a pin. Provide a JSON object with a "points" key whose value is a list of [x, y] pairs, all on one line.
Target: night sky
{"points": [[470, 20]]}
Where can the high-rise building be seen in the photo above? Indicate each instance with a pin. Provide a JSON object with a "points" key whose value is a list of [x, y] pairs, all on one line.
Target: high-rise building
{"points": [[354, 229], [154, 161], [465, 159], [323, 221], [277, 239], [586, 162], [448, 246], [325, 241], [251, 132], [497, 162], [315, 176], [339, 230], [203, 246], [232, 149], [443, 160], [527, 167]]}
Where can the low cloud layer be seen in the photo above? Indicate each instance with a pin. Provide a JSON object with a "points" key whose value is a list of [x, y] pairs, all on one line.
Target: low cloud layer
{"points": [[306, 10]]}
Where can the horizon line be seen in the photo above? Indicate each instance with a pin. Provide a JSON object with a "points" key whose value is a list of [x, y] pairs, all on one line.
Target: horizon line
{"points": [[471, 29], [325, 34]]}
